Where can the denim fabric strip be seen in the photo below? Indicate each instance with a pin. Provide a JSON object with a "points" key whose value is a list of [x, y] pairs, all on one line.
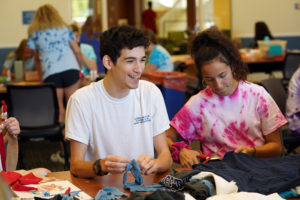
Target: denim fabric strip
{"points": [[133, 187], [137, 185], [136, 172], [109, 193]]}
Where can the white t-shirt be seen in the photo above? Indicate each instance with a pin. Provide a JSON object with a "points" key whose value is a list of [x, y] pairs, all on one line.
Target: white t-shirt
{"points": [[293, 102], [1, 165], [242, 118], [110, 126]]}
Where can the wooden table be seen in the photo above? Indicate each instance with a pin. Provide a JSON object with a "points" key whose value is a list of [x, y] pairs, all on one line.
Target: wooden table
{"points": [[266, 64], [92, 186], [255, 64]]}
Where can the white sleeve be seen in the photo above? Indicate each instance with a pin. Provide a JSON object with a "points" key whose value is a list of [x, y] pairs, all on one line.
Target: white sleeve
{"points": [[9, 62], [76, 126], [160, 116], [272, 119]]}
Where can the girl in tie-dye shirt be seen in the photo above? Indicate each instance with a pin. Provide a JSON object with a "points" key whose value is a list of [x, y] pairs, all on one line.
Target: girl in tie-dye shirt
{"points": [[230, 113]]}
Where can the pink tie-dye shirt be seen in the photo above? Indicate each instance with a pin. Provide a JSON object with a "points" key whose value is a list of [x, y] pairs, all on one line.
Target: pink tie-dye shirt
{"points": [[243, 118]]}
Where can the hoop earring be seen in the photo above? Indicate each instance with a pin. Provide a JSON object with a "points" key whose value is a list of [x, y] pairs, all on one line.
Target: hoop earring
{"points": [[203, 84], [233, 74]]}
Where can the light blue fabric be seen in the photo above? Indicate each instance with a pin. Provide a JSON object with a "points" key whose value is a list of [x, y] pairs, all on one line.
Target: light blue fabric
{"points": [[133, 166], [54, 50], [89, 52], [160, 57], [137, 185], [133, 187], [109, 193]]}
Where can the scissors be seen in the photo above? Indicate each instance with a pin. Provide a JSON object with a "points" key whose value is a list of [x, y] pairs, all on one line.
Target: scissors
{"points": [[207, 158]]}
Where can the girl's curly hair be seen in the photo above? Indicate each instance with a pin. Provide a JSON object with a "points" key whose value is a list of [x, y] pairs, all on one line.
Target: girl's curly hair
{"points": [[210, 45]]}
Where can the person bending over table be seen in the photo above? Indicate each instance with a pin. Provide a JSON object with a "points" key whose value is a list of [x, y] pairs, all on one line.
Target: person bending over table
{"points": [[120, 117], [230, 114]]}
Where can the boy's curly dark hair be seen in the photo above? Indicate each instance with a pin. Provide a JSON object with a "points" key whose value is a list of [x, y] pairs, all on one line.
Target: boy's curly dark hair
{"points": [[117, 38], [210, 45]]}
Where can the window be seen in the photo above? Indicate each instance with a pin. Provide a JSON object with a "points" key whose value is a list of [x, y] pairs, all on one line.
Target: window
{"points": [[81, 10]]}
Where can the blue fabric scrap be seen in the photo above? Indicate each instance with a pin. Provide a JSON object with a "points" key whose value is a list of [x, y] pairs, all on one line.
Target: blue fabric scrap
{"points": [[288, 194], [109, 193], [137, 185]]}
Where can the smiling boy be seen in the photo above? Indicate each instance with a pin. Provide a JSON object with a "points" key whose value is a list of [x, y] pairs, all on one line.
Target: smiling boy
{"points": [[121, 117]]}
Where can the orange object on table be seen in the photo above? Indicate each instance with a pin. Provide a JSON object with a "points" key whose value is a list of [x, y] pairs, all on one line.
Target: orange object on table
{"points": [[171, 80]]}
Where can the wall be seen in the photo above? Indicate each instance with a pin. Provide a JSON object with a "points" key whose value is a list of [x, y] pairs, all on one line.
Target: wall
{"points": [[222, 17], [280, 15], [12, 29]]}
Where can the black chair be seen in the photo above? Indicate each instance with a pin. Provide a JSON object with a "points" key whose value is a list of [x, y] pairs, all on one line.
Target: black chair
{"points": [[277, 91], [291, 63], [36, 109]]}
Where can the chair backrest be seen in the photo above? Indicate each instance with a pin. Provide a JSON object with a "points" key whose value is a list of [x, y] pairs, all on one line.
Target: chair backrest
{"points": [[35, 106], [275, 88], [291, 63]]}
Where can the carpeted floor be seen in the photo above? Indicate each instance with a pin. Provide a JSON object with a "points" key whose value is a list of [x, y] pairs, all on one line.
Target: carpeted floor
{"points": [[37, 154]]}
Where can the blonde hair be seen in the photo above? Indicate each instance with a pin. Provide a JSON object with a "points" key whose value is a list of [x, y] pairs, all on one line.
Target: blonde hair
{"points": [[46, 17], [75, 28]]}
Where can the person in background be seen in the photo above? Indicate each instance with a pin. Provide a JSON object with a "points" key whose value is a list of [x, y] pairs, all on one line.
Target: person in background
{"points": [[230, 114], [89, 58], [148, 18], [120, 117], [11, 129], [292, 104], [59, 54], [22, 53], [97, 25], [262, 32], [87, 27], [159, 58]]}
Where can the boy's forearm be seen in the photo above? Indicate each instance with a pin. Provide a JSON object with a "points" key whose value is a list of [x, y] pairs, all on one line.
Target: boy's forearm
{"points": [[165, 161]]}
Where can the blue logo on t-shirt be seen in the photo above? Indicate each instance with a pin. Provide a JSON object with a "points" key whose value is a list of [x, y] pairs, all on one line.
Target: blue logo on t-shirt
{"points": [[142, 119]]}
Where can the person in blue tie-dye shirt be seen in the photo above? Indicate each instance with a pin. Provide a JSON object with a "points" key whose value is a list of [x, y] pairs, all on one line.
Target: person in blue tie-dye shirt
{"points": [[58, 52], [159, 58]]}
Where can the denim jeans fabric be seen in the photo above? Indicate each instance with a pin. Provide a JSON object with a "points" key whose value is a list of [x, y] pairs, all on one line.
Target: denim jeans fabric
{"points": [[109, 193], [133, 187], [279, 173]]}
